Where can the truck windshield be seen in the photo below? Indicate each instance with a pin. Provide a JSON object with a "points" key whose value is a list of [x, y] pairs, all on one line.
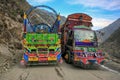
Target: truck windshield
{"points": [[84, 36]]}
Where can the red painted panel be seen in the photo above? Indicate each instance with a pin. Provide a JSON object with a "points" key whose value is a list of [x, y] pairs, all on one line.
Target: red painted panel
{"points": [[42, 55], [52, 55], [31, 55], [43, 59]]}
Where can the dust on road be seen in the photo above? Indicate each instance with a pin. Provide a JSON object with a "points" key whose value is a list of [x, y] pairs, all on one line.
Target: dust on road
{"points": [[60, 72]]}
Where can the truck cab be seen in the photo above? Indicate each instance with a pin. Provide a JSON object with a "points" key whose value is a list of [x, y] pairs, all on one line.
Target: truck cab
{"points": [[80, 41]]}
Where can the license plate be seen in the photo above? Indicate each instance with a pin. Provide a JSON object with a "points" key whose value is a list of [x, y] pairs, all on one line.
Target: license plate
{"points": [[52, 58], [33, 59]]}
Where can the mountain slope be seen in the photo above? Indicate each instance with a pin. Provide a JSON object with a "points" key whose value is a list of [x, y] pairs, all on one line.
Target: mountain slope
{"points": [[110, 29], [112, 44]]}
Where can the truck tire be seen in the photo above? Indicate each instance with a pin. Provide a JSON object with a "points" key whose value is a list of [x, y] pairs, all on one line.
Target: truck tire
{"points": [[68, 57]]}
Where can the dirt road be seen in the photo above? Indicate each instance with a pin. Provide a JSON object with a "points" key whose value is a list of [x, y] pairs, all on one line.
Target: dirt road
{"points": [[60, 72]]}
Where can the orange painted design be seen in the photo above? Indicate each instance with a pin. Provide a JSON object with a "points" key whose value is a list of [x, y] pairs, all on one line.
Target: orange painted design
{"points": [[86, 41], [52, 55], [33, 58], [24, 41]]}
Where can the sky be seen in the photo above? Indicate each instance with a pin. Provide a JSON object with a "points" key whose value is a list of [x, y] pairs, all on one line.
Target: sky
{"points": [[103, 12]]}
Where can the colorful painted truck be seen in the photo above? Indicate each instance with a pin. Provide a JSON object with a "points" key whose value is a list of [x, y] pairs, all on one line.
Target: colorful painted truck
{"points": [[79, 41], [41, 41]]}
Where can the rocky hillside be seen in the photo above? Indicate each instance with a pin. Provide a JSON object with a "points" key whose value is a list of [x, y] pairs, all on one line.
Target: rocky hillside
{"points": [[112, 44], [110, 29], [11, 12]]}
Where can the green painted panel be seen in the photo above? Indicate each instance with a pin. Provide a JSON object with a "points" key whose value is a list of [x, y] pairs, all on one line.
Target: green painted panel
{"points": [[36, 38], [45, 38], [39, 38], [31, 38], [51, 38]]}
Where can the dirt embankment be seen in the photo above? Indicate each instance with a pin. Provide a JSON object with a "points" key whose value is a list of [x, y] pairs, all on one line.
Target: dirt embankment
{"points": [[9, 42], [11, 13]]}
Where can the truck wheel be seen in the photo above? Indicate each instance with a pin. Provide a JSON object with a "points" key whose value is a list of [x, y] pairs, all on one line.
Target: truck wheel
{"points": [[68, 57]]}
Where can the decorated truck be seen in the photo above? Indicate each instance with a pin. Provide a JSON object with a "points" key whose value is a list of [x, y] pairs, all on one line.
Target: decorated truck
{"points": [[79, 41], [41, 40]]}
